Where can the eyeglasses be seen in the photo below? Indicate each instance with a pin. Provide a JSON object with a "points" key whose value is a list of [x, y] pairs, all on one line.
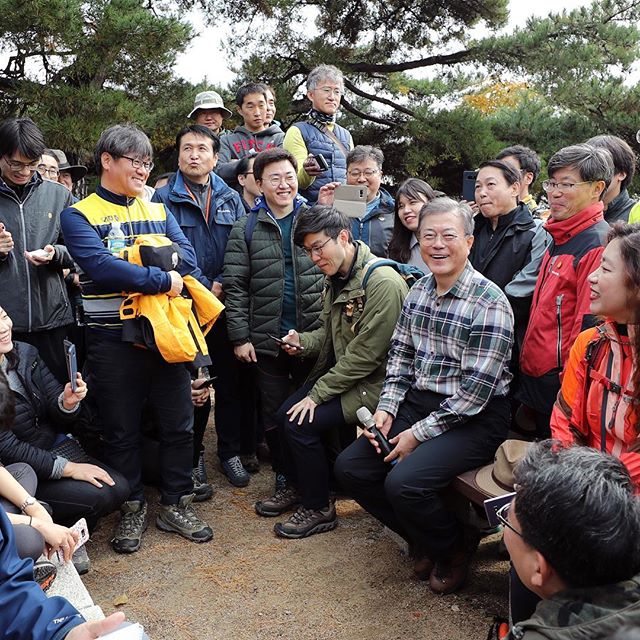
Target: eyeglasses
{"points": [[367, 173], [550, 185], [328, 91], [503, 514], [139, 164], [317, 249], [14, 165], [431, 238], [43, 170], [275, 181]]}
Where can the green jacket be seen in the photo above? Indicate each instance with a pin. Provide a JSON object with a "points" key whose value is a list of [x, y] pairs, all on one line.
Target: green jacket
{"points": [[592, 614], [352, 344], [253, 280]]}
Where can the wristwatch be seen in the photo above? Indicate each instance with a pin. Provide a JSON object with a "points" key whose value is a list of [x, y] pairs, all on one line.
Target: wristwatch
{"points": [[27, 503]]}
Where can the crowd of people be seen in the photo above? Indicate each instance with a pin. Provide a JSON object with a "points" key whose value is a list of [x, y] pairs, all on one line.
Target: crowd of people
{"points": [[238, 282]]}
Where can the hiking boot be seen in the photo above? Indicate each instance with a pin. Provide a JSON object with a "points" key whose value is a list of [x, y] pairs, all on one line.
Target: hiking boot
{"points": [[44, 573], [201, 490], [81, 560], [306, 522], [235, 472], [250, 462], [133, 524], [201, 469], [422, 568], [281, 501], [182, 519], [450, 575]]}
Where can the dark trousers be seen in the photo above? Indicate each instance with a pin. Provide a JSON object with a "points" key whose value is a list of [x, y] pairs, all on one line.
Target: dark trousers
{"points": [[235, 399], [125, 378], [50, 346], [29, 541], [305, 464], [407, 497], [277, 377]]}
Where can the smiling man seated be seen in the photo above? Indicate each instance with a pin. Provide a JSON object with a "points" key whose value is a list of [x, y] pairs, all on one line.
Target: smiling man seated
{"points": [[444, 398]]}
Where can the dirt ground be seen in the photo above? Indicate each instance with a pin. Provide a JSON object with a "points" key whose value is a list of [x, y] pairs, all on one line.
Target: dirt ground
{"points": [[353, 583]]}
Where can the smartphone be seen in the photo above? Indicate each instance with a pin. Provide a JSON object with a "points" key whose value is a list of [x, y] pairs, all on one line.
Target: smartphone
{"points": [[351, 199], [207, 382], [72, 364], [322, 161], [126, 631], [281, 341], [82, 530], [39, 254], [469, 185], [493, 504]]}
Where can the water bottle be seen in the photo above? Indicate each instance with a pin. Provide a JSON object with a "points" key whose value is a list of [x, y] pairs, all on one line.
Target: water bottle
{"points": [[116, 238]]}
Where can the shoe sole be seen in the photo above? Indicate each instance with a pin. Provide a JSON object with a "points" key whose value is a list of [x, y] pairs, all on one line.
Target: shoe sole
{"points": [[131, 550], [319, 528], [266, 513], [161, 524], [47, 582]]}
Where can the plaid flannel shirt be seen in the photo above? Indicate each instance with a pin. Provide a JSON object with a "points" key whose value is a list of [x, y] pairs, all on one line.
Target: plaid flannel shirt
{"points": [[457, 344]]}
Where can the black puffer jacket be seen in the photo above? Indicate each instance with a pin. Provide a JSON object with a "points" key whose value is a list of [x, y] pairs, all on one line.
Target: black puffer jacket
{"points": [[254, 284], [37, 415]]}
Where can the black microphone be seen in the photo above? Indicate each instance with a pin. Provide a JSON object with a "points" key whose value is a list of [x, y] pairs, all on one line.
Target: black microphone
{"points": [[366, 420]]}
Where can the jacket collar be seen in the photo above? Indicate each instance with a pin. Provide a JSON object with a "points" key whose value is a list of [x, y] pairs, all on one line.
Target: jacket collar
{"points": [[461, 288], [619, 204], [519, 217], [563, 230], [261, 203], [114, 198], [36, 179]]}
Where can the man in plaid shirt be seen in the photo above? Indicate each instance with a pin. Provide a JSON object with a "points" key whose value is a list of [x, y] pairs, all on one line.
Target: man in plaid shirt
{"points": [[443, 404]]}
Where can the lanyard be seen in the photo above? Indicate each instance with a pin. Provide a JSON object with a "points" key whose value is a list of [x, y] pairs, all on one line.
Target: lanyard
{"points": [[208, 207]]}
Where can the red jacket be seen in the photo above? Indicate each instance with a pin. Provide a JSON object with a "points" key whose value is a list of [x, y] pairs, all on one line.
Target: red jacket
{"points": [[606, 400], [560, 308]]}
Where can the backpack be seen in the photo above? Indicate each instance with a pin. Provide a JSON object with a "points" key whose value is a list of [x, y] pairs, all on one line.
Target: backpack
{"points": [[408, 272], [252, 220]]}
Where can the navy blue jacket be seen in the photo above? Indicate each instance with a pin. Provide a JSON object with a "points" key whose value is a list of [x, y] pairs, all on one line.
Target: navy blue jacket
{"points": [[208, 240], [25, 611]]}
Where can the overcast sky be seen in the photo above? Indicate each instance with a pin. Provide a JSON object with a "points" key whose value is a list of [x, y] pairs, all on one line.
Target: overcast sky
{"points": [[196, 63]]}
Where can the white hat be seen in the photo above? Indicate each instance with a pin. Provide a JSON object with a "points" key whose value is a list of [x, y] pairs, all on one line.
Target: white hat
{"points": [[209, 100]]}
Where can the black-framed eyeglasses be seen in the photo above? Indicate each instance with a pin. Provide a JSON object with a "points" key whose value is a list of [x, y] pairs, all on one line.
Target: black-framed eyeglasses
{"points": [[14, 165], [317, 249], [503, 515], [136, 163]]}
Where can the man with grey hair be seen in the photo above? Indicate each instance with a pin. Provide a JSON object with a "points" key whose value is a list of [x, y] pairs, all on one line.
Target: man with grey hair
{"points": [[443, 403], [209, 111], [578, 178], [320, 135], [127, 378]]}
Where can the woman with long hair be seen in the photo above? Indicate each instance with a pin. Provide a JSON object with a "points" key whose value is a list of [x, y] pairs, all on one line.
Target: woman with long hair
{"points": [[411, 196], [598, 402]]}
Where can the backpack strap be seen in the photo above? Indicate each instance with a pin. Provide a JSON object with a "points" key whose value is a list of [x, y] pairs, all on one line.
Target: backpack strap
{"points": [[372, 264], [594, 356], [252, 220]]}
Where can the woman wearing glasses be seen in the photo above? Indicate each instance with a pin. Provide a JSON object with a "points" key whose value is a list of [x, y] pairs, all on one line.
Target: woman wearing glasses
{"points": [[271, 286]]}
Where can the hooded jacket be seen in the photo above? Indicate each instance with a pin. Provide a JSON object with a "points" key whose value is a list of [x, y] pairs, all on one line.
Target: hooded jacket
{"points": [[38, 419], [254, 282], [595, 613], [33, 223], [560, 307], [209, 240], [352, 344], [241, 142], [26, 613]]}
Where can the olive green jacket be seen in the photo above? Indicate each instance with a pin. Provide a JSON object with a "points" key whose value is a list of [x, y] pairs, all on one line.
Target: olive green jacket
{"points": [[352, 344], [253, 281]]}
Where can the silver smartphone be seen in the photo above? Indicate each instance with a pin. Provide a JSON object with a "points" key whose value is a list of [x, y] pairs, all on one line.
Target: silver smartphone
{"points": [[351, 199]]}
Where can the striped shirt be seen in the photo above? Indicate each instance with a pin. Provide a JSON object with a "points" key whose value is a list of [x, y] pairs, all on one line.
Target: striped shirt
{"points": [[457, 344]]}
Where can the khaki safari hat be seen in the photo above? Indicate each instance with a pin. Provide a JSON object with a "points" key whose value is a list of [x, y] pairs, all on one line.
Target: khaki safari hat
{"points": [[497, 479], [209, 100]]}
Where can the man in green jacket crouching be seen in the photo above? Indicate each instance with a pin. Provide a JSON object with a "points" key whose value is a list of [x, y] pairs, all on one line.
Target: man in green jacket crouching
{"points": [[351, 347]]}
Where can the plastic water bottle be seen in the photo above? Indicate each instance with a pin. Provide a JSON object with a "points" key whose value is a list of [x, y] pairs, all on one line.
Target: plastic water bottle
{"points": [[116, 238]]}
